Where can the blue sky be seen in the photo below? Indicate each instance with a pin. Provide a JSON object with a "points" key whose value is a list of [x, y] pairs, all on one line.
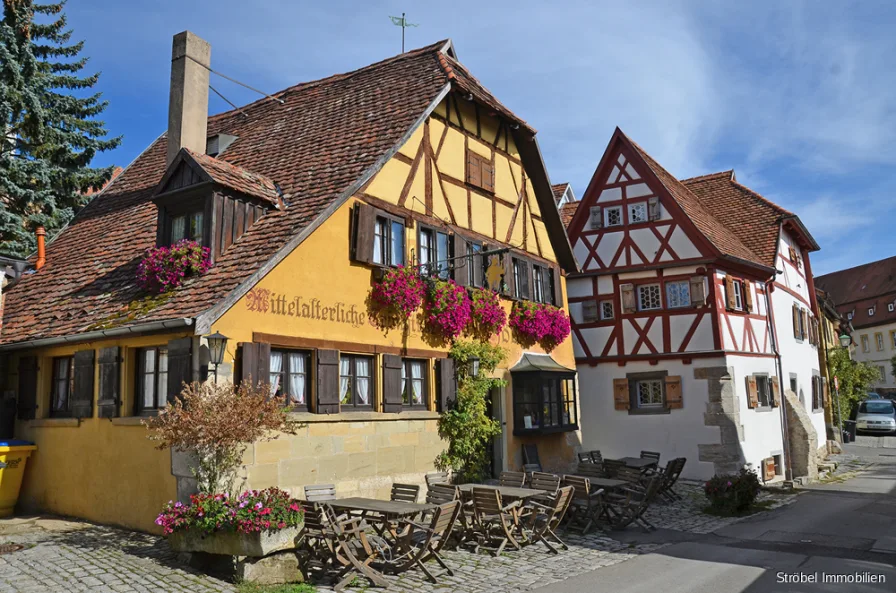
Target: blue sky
{"points": [[798, 97]]}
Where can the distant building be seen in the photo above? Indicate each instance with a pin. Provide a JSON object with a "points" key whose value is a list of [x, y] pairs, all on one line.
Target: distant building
{"points": [[566, 202], [865, 296]]}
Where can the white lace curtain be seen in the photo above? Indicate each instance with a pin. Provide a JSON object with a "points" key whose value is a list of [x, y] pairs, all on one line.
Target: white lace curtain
{"points": [[296, 378], [276, 368]]}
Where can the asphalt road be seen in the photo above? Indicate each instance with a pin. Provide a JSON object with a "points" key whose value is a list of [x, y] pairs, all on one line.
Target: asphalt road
{"points": [[842, 532]]}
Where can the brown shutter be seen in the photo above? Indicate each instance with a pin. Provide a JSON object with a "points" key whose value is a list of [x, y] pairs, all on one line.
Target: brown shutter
{"points": [[589, 311], [776, 392], [748, 295], [327, 382], [628, 298], [825, 392], [255, 362], [447, 383], [460, 268], [653, 209], [621, 396], [529, 292], [365, 220], [508, 275], [487, 170], [474, 169], [109, 398], [180, 365], [595, 220], [392, 383], [479, 262], [792, 253], [673, 393], [557, 287], [795, 310], [805, 328], [27, 406], [730, 301], [82, 396], [768, 469], [752, 392], [698, 292]]}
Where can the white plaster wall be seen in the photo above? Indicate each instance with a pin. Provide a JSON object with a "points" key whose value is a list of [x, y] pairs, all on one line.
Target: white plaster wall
{"points": [[875, 357], [682, 245], [616, 433], [762, 427], [579, 287]]}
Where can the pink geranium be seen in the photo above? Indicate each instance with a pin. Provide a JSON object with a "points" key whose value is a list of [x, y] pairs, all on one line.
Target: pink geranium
{"points": [[165, 268], [394, 299], [488, 315], [539, 323], [447, 310], [250, 512]]}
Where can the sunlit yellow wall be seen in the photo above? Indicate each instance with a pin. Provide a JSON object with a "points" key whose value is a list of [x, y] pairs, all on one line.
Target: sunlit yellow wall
{"points": [[99, 469]]}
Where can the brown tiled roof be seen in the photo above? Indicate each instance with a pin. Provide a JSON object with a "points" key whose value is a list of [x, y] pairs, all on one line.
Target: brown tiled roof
{"points": [[567, 211], [115, 173], [237, 178], [315, 147], [861, 283], [559, 189]]}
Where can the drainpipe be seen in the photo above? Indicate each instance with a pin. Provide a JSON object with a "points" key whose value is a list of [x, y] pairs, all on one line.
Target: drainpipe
{"points": [[41, 248], [788, 469]]}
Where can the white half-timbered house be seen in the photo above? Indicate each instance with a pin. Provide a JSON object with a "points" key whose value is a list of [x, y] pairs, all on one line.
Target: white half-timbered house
{"points": [[693, 315]]}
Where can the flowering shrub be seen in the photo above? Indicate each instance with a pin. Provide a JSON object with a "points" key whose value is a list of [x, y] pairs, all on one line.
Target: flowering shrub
{"points": [[446, 311], [394, 299], [732, 493], [250, 512], [488, 316], [165, 268], [537, 322]]}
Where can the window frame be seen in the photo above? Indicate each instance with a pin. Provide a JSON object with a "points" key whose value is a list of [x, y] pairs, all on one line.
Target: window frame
{"points": [[406, 364], [528, 394], [879, 341], [285, 374], [738, 295], [687, 287], [635, 407], [188, 217], [763, 380], [543, 285], [818, 392], [612, 314], [472, 254], [521, 277], [431, 267], [866, 343], [659, 292], [140, 408], [482, 162], [606, 215], [66, 410], [353, 381], [631, 209], [387, 240]]}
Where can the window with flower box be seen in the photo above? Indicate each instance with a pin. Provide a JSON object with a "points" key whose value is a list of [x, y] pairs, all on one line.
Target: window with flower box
{"points": [[388, 241], [520, 278], [434, 252]]}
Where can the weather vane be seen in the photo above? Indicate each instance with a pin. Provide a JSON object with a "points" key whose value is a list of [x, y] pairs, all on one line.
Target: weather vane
{"points": [[402, 22]]}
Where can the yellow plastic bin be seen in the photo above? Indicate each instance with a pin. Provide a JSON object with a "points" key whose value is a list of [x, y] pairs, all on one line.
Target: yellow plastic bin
{"points": [[14, 455]]}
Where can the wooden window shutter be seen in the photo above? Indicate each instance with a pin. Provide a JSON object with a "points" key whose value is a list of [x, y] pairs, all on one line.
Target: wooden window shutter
{"points": [[447, 383], [776, 392], [460, 268], [82, 396], [748, 296], [362, 234], [487, 170], [825, 392], [254, 362], [474, 169], [628, 297], [479, 264], [27, 406], [109, 399], [508, 275], [796, 321], [557, 287], [529, 293], [752, 392], [730, 300], [621, 398], [768, 469], [698, 291], [653, 208], [792, 253], [595, 220], [589, 311], [180, 365], [804, 331], [391, 383], [674, 399], [327, 381]]}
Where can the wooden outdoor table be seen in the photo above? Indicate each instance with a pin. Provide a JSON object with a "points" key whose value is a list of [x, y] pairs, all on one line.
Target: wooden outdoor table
{"points": [[506, 491], [388, 509], [608, 483], [637, 462]]}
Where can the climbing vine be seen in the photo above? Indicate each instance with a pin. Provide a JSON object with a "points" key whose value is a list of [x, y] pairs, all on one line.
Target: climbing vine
{"points": [[466, 424]]}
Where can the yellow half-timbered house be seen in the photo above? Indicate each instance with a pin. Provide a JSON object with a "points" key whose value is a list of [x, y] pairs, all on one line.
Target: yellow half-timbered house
{"points": [[302, 199]]}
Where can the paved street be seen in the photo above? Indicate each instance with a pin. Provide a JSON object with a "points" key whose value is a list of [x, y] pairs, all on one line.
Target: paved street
{"points": [[843, 527]]}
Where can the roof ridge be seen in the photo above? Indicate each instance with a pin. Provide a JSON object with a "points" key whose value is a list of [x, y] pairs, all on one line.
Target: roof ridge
{"points": [[437, 46], [727, 173], [871, 263], [762, 198]]}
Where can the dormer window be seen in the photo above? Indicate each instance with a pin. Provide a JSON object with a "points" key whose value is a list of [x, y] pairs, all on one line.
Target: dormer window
{"points": [[870, 311], [890, 307], [849, 315], [187, 226]]}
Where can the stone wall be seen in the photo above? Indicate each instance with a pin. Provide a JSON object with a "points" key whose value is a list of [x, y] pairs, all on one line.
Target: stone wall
{"points": [[802, 437], [361, 453], [722, 410]]}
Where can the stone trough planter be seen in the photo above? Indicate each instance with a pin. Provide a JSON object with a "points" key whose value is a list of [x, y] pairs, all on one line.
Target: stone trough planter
{"points": [[231, 543]]}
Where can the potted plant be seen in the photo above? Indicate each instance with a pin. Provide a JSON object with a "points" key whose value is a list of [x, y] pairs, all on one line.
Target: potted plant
{"points": [[446, 310], [165, 268], [538, 323], [395, 296], [255, 523], [488, 317]]}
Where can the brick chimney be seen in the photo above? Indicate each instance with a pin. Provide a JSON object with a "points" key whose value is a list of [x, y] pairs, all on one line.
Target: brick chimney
{"points": [[41, 248], [188, 101]]}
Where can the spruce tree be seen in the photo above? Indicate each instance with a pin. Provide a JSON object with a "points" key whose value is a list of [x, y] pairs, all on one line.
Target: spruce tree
{"points": [[48, 131]]}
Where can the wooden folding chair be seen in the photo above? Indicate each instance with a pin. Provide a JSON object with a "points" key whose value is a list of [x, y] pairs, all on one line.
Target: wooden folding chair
{"points": [[628, 505], [539, 523], [441, 494], [596, 457], [513, 479], [589, 470], [320, 492], [670, 475], [493, 521], [404, 493], [437, 478], [530, 455], [583, 457], [631, 475], [419, 543], [547, 483], [611, 466], [587, 505], [650, 455]]}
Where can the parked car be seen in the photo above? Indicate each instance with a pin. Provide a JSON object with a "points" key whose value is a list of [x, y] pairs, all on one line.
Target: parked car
{"points": [[876, 415], [873, 395]]}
